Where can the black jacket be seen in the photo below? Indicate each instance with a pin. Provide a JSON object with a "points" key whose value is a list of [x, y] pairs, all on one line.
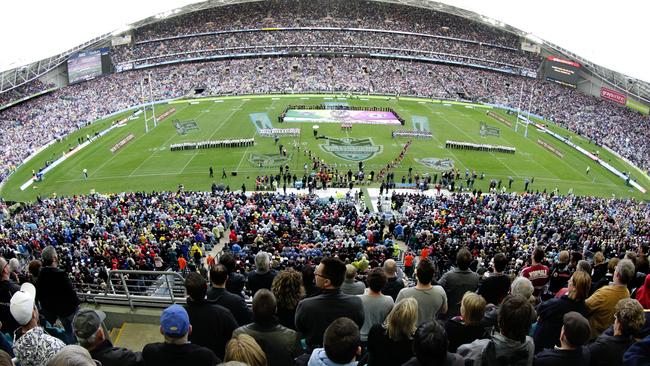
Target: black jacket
{"points": [[392, 288], [232, 302], [235, 284], [315, 314], [7, 290], [551, 318], [109, 355], [212, 325], [280, 343], [165, 354], [608, 350], [257, 280], [56, 294], [560, 357]]}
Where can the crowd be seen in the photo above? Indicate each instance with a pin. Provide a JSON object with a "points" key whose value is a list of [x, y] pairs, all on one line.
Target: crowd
{"points": [[24, 91], [36, 122]]}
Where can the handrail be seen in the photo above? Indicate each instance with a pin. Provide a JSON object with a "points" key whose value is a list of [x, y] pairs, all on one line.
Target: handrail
{"points": [[135, 288]]}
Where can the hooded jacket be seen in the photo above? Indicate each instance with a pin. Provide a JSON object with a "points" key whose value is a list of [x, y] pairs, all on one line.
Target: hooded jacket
{"points": [[319, 358], [499, 350]]}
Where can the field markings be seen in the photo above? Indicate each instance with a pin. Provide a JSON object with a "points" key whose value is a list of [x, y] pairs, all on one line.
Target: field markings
{"points": [[120, 151], [223, 123]]}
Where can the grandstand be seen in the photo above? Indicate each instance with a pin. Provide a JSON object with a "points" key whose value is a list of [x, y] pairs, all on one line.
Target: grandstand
{"points": [[368, 131]]}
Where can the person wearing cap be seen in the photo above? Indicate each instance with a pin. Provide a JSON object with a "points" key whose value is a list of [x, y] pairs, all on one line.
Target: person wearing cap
{"points": [[56, 294], [574, 334], [7, 289], [87, 325], [34, 347], [609, 347], [213, 324], [177, 350]]}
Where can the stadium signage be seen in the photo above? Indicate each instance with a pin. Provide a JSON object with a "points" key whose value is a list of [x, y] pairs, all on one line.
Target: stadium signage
{"points": [[550, 148], [563, 61], [499, 118], [268, 160], [487, 130], [166, 114], [122, 142], [352, 149], [437, 163], [613, 96]]}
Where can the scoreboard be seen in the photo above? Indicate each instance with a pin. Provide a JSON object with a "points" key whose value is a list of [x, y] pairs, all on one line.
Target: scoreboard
{"points": [[561, 71]]}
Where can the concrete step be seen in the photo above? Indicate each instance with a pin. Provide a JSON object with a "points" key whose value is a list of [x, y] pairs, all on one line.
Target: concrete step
{"points": [[135, 336]]}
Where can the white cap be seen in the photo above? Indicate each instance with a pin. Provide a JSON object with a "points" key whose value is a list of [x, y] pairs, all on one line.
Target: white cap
{"points": [[22, 303]]}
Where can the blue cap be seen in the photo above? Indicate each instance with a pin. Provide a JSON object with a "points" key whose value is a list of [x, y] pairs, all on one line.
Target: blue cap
{"points": [[174, 321]]}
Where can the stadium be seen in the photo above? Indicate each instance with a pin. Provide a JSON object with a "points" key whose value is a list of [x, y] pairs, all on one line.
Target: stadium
{"points": [[260, 162]]}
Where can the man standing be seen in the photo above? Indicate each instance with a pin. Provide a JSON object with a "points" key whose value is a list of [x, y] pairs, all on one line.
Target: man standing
{"points": [[213, 324], [177, 350], [223, 174], [55, 292], [90, 335], [537, 273], [350, 285], [432, 300], [393, 284], [601, 306], [495, 288], [314, 314], [211, 173], [574, 334], [219, 294], [263, 275], [459, 280], [7, 289]]}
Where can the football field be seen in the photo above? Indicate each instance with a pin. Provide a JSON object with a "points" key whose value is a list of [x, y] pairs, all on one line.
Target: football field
{"points": [[146, 163]]}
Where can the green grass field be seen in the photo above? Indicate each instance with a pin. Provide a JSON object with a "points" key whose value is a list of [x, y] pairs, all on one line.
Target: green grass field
{"points": [[146, 163]]}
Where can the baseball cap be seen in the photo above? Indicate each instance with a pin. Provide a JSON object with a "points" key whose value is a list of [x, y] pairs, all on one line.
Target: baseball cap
{"points": [[174, 321], [87, 322], [576, 328], [21, 304]]}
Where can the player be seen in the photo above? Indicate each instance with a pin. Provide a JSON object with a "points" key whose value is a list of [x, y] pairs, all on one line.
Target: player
{"points": [[85, 171]]}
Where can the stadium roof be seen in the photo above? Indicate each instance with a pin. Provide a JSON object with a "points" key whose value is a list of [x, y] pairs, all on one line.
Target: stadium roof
{"points": [[611, 31]]}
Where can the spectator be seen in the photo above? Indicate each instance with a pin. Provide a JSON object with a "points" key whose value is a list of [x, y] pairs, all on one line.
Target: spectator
{"points": [[221, 296], [243, 348], [34, 347], [341, 345], [458, 281], [350, 285], [537, 273], [638, 354], [391, 343], [430, 347], [309, 281], [314, 314], [393, 285], [608, 349], [72, 355], [599, 269], [212, 324], [376, 305], [560, 273], [262, 276], [550, 313], [288, 290], [176, 349], [56, 294], [511, 345], [468, 326], [574, 334], [432, 300], [7, 289], [87, 325], [643, 293], [496, 287], [602, 304], [236, 281], [280, 344]]}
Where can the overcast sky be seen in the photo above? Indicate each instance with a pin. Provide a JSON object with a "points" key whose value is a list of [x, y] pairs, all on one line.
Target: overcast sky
{"points": [[613, 34]]}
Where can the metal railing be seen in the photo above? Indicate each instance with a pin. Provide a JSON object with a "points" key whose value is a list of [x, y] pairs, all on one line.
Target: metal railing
{"points": [[135, 289]]}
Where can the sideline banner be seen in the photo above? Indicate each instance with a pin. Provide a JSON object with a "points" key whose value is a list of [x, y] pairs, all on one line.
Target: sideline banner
{"points": [[613, 96]]}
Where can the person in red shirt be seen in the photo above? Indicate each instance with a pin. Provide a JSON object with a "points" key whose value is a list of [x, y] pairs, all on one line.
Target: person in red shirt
{"points": [[408, 264], [537, 273], [182, 263]]}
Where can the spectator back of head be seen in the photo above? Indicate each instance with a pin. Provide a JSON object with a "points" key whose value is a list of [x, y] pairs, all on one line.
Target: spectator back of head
{"points": [[463, 259], [626, 271], [376, 279], [430, 344], [425, 271], [218, 274], [515, 317], [341, 340], [195, 286], [334, 270], [264, 306]]}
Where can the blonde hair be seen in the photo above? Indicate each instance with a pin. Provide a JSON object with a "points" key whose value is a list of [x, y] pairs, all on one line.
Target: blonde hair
{"points": [[401, 322], [472, 307], [581, 284], [243, 348], [599, 258]]}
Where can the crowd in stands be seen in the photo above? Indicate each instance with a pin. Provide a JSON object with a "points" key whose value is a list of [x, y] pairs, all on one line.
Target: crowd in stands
{"points": [[24, 91], [36, 122]]}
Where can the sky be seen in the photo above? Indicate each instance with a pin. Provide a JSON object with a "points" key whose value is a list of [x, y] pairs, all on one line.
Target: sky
{"points": [[610, 34]]}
